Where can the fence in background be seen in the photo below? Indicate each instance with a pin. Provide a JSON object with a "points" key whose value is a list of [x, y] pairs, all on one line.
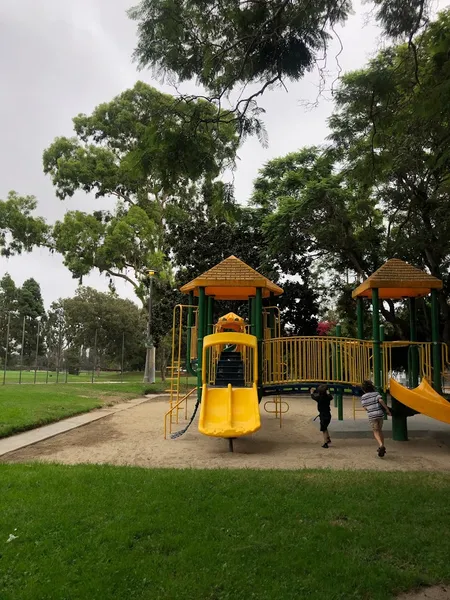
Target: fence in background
{"points": [[32, 354]]}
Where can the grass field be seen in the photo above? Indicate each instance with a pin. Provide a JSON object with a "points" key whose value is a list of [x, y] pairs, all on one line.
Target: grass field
{"points": [[90, 532], [29, 376], [25, 406]]}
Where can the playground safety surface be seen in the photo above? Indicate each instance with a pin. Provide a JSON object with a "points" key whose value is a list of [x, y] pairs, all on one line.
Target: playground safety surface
{"points": [[135, 437]]}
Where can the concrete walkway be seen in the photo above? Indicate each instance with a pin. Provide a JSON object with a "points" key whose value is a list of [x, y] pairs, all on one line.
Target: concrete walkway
{"points": [[21, 440]]}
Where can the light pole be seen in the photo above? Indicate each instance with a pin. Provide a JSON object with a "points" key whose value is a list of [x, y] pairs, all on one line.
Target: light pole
{"points": [[149, 373]]}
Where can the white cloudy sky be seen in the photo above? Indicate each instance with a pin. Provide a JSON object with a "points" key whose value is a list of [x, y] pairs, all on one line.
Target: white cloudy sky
{"points": [[62, 57]]}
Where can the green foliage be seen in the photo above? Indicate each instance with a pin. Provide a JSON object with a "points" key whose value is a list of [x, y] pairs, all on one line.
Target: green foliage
{"points": [[149, 151], [90, 531], [19, 230], [216, 231], [22, 315], [313, 210], [115, 324], [391, 125], [226, 45]]}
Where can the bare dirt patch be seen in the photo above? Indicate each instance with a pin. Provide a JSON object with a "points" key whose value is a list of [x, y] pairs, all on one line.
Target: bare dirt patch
{"points": [[433, 593], [135, 437]]}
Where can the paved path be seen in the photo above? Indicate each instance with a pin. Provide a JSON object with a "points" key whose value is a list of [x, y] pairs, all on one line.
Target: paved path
{"points": [[21, 440]]}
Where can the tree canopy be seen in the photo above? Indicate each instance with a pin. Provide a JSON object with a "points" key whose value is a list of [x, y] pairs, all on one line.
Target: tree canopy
{"points": [[147, 151], [226, 45], [20, 230]]}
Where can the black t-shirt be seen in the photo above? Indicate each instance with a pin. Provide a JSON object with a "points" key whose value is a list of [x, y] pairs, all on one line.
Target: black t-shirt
{"points": [[323, 401]]}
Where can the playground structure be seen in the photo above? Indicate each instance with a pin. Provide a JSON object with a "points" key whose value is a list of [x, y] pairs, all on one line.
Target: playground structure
{"points": [[236, 363]]}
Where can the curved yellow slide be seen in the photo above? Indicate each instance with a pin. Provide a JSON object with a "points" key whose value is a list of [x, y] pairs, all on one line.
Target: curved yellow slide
{"points": [[229, 412], [423, 399]]}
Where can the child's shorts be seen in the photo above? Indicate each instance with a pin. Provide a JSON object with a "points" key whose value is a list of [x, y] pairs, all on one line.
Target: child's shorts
{"points": [[376, 424], [325, 420]]}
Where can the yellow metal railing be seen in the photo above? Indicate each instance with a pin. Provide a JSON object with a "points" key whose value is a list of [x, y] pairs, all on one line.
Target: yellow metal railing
{"points": [[423, 359], [171, 416], [336, 359], [314, 359], [276, 322], [281, 407], [178, 339]]}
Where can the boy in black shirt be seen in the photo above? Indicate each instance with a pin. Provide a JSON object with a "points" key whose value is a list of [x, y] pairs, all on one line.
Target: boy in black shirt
{"points": [[323, 398]]}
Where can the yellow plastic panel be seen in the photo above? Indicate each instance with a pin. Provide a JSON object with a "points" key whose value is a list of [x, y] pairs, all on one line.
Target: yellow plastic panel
{"points": [[423, 399], [229, 412]]}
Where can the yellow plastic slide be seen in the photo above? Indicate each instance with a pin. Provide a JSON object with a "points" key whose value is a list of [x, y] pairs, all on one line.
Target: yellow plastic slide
{"points": [[229, 412], [423, 399]]}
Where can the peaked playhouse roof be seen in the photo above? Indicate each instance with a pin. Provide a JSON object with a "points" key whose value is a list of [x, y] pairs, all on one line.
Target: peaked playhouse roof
{"points": [[397, 279], [232, 279]]}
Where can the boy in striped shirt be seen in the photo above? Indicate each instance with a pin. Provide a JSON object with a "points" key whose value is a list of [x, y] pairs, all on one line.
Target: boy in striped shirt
{"points": [[373, 403]]}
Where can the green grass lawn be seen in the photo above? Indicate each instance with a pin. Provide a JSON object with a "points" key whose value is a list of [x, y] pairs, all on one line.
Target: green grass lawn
{"points": [[91, 533], [28, 376], [26, 406]]}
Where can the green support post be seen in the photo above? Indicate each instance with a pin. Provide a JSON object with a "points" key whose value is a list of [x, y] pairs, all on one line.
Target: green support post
{"points": [[271, 322], [210, 325], [399, 421], [201, 318], [253, 316], [190, 315], [437, 382], [412, 354], [259, 334], [376, 340], [360, 317], [334, 367], [383, 393], [339, 396]]}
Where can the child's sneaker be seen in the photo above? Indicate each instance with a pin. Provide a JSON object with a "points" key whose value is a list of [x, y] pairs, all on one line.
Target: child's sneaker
{"points": [[325, 445], [381, 451]]}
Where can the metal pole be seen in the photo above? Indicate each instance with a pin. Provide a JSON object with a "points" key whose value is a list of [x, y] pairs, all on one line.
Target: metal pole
{"points": [[21, 349], [122, 357], [149, 374], [6, 348], [259, 334], [376, 340], [59, 353], [437, 382], [37, 350], [339, 395], [360, 317], [190, 370], [414, 376], [200, 335], [94, 358]]}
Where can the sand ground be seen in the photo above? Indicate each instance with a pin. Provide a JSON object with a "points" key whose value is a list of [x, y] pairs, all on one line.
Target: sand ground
{"points": [[135, 437]]}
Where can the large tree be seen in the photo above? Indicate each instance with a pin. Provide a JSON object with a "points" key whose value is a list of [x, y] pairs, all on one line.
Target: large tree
{"points": [[218, 229], [392, 129], [145, 151], [226, 45], [97, 326]]}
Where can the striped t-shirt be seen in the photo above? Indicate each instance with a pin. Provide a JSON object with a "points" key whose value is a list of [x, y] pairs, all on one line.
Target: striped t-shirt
{"points": [[371, 402]]}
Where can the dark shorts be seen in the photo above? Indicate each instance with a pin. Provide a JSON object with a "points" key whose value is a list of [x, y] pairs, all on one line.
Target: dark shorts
{"points": [[325, 419]]}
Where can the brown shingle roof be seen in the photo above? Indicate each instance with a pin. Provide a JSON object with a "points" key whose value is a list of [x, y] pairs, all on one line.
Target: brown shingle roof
{"points": [[397, 279], [232, 273]]}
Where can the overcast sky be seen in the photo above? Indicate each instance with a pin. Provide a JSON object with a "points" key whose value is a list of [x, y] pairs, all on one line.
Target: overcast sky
{"points": [[62, 57]]}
